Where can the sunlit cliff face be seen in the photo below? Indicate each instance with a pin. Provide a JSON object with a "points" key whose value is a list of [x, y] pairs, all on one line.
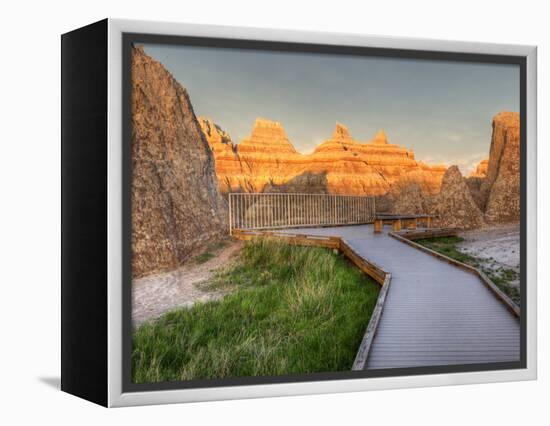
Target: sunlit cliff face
{"points": [[349, 166]]}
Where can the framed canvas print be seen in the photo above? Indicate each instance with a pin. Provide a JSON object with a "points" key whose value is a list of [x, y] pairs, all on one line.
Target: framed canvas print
{"points": [[252, 213]]}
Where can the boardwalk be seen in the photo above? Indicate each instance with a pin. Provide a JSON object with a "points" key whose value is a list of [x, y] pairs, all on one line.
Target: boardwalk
{"points": [[435, 313]]}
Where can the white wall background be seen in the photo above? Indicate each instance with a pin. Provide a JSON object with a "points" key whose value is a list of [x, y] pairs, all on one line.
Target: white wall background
{"points": [[30, 210]]}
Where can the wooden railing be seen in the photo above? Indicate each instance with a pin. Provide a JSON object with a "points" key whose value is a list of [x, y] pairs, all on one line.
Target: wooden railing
{"points": [[275, 211]]}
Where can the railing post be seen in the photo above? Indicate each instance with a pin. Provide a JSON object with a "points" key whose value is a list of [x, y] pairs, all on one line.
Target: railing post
{"points": [[254, 209], [334, 209], [288, 209], [230, 225]]}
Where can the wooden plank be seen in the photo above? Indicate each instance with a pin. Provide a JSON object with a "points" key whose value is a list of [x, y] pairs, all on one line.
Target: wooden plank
{"points": [[397, 225], [368, 267], [428, 233], [364, 348], [403, 216], [300, 240]]}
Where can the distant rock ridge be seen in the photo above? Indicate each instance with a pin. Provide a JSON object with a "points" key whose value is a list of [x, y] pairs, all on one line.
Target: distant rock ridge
{"points": [[341, 133], [380, 138], [267, 159], [267, 137], [216, 136]]}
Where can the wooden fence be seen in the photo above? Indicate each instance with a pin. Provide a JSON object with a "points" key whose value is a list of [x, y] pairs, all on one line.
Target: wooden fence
{"points": [[276, 211]]}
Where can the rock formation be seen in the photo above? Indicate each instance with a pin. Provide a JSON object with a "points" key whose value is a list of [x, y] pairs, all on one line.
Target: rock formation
{"points": [[501, 186], [267, 137], [410, 200], [218, 139], [346, 166], [306, 183], [490, 194], [454, 206], [176, 205], [474, 185], [230, 171], [267, 160], [427, 177], [481, 169]]}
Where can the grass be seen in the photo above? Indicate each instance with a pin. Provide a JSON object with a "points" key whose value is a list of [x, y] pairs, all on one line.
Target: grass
{"points": [[210, 252], [502, 277], [447, 246], [204, 257], [291, 310]]}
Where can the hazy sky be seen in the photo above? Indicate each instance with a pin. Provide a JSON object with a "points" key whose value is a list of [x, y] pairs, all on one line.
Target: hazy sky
{"points": [[440, 109]]}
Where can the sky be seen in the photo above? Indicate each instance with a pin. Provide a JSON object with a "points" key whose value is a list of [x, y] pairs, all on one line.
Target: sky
{"points": [[440, 109]]}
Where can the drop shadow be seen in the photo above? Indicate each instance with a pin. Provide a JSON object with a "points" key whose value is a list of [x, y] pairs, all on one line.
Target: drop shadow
{"points": [[53, 382]]}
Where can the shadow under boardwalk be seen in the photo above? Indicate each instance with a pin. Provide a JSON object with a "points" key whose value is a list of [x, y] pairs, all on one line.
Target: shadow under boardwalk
{"points": [[435, 313]]}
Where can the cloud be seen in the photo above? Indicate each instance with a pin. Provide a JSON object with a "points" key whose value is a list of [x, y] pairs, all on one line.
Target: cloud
{"points": [[307, 147], [466, 163], [453, 137]]}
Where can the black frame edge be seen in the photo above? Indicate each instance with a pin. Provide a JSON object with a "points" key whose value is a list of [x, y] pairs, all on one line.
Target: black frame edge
{"points": [[84, 212]]}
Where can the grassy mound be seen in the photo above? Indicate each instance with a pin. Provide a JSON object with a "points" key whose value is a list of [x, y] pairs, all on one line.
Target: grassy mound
{"points": [[291, 310]]}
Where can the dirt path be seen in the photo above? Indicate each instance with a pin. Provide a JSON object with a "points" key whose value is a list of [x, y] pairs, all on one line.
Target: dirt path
{"points": [[154, 295]]}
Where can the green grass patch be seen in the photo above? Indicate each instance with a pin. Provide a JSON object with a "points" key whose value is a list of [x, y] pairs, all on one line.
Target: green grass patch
{"points": [[210, 252], [447, 246], [204, 257], [502, 277], [291, 310]]}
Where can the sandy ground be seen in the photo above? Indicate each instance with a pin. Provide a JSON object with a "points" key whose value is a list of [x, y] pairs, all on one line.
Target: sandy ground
{"points": [[497, 247], [154, 295]]}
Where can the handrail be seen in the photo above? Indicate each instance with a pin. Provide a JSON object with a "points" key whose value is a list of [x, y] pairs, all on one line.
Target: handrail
{"points": [[293, 210]]}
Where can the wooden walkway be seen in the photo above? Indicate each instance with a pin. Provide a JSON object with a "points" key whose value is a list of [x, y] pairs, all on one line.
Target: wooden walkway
{"points": [[434, 313]]}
